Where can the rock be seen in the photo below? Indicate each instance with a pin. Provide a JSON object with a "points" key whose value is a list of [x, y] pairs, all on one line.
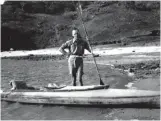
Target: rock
{"points": [[96, 55], [17, 85], [11, 49], [1, 91]]}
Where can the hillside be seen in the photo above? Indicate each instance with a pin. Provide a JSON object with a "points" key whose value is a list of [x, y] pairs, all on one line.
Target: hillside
{"points": [[45, 24]]}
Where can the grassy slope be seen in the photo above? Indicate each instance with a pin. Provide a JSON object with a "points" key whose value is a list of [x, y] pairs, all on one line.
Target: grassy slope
{"points": [[110, 24], [105, 23], [120, 23]]}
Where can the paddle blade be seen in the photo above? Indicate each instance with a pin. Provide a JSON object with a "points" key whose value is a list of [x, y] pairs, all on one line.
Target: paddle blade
{"points": [[101, 82]]}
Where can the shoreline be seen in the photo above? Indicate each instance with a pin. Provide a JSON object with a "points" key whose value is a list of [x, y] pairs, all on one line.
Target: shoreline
{"points": [[99, 50]]}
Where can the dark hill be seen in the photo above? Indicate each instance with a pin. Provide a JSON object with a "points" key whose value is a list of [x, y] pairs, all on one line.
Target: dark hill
{"points": [[35, 25]]}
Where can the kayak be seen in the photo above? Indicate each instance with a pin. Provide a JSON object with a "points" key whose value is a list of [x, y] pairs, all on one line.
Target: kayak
{"points": [[96, 95]]}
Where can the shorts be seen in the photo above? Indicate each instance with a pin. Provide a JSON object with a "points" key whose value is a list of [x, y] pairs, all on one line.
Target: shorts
{"points": [[75, 64]]}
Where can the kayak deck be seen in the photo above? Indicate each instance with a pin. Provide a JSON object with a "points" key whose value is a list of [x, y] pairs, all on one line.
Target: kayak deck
{"points": [[78, 88]]}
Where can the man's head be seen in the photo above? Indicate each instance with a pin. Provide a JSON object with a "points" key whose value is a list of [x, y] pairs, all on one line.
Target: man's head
{"points": [[75, 34]]}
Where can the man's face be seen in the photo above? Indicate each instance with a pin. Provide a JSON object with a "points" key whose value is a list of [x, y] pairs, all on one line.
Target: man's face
{"points": [[75, 34]]}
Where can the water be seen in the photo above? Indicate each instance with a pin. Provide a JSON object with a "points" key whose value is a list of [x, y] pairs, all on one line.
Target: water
{"points": [[44, 72], [18, 111]]}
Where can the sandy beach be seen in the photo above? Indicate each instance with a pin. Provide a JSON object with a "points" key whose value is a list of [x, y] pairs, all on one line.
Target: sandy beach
{"points": [[97, 50]]}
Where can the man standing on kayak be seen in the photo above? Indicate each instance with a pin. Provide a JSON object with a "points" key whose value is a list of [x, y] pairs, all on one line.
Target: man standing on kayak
{"points": [[76, 48]]}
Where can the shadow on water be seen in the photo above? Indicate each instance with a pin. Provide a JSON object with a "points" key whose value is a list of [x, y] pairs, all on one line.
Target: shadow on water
{"points": [[51, 112]]}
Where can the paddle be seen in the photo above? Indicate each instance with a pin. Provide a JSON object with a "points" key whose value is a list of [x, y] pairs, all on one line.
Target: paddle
{"points": [[80, 13]]}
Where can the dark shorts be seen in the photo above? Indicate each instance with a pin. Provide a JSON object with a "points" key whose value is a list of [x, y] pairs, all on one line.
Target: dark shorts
{"points": [[75, 64]]}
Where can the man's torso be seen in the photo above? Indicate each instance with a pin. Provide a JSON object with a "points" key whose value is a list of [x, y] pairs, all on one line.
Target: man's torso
{"points": [[77, 48]]}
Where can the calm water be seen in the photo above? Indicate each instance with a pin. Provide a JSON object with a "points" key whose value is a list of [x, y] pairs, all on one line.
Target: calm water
{"points": [[43, 72], [18, 111]]}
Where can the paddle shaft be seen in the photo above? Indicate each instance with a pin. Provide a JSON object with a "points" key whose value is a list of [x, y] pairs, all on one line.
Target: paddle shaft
{"points": [[101, 82]]}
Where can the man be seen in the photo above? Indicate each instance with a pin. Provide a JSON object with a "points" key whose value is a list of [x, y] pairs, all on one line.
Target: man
{"points": [[76, 48]]}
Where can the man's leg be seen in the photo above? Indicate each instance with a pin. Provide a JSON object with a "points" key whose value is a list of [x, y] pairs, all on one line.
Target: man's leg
{"points": [[80, 71], [72, 70], [74, 79], [80, 77]]}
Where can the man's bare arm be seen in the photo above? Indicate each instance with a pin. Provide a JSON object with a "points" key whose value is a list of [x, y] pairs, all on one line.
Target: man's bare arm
{"points": [[63, 47], [62, 51], [88, 47]]}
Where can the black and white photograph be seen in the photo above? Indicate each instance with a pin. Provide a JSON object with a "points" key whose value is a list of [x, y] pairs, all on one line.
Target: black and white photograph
{"points": [[80, 60]]}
